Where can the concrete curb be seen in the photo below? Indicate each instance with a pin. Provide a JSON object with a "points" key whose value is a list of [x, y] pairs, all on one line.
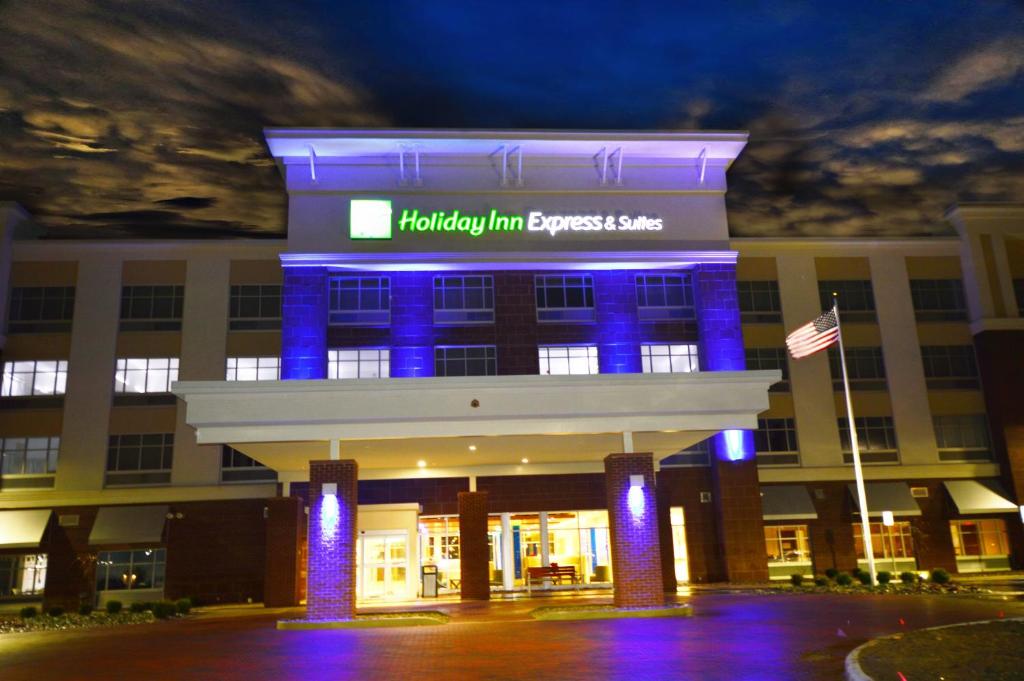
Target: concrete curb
{"points": [[853, 668]]}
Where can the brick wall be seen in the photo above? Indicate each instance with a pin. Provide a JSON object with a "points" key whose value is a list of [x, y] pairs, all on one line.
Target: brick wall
{"points": [[331, 557], [474, 555], [632, 519], [682, 487], [304, 323], [285, 518], [525, 494], [438, 496], [70, 564]]}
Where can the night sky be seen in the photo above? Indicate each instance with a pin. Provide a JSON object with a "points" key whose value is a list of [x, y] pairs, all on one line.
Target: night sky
{"points": [[144, 119]]}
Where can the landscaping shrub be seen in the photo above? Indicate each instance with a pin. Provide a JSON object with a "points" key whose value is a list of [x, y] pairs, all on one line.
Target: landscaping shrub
{"points": [[908, 577], [55, 611], [85, 609], [843, 579], [184, 606], [28, 612], [831, 573], [884, 577], [139, 606], [864, 577], [820, 581], [856, 572], [940, 576], [796, 579], [114, 607], [164, 609]]}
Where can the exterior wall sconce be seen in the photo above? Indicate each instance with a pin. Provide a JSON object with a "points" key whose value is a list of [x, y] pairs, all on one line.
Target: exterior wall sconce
{"points": [[636, 481], [329, 489]]}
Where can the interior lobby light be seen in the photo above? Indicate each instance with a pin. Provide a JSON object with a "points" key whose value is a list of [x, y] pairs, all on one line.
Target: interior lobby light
{"points": [[525, 460], [472, 448], [421, 463]]}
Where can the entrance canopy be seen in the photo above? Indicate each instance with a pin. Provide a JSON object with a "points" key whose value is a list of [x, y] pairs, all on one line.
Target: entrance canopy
{"points": [[23, 529], [492, 420], [975, 496]]}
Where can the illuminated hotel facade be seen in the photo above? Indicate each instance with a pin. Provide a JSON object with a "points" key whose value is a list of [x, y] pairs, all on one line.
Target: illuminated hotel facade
{"points": [[492, 352]]}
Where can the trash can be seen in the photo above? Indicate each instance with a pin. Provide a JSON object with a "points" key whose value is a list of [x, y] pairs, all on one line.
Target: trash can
{"points": [[429, 577]]}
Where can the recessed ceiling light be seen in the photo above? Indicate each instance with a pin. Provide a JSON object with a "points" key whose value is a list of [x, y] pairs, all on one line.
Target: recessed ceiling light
{"points": [[421, 463], [525, 460], [472, 448]]}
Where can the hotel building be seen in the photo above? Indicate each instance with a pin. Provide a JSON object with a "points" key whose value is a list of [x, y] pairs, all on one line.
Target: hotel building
{"points": [[480, 353]]}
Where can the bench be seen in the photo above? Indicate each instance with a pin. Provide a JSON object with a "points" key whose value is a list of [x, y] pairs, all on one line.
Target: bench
{"points": [[555, 573]]}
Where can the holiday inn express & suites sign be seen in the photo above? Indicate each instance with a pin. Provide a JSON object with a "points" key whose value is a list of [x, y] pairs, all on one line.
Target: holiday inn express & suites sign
{"points": [[375, 219]]}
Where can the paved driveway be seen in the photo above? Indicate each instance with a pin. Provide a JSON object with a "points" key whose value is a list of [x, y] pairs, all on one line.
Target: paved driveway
{"points": [[738, 637]]}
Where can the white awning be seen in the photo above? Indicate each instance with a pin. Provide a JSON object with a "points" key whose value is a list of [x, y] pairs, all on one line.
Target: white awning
{"points": [[886, 496], [129, 525], [23, 529], [975, 496], [787, 502]]}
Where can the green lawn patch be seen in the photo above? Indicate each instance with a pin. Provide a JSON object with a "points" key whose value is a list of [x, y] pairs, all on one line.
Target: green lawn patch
{"points": [[606, 612], [414, 618]]}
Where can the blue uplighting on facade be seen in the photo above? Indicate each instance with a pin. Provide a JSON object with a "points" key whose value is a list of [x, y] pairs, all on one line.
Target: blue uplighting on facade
{"points": [[304, 323], [412, 324], [617, 331]]}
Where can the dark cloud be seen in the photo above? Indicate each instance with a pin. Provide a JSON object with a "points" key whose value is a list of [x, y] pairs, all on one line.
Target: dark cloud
{"points": [[189, 202]]}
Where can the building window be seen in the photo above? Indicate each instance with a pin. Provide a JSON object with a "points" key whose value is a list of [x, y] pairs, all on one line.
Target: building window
{"points": [[787, 544], [669, 359], [865, 367], [1018, 289], [479, 360], [358, 363], [775, 442], [876, 436], [562, 360], [963, 438], [768, 359], [237, 467], [253, 369], [856, 298], [41, 309], [126, 570], [698, 454], [759, 302], [981, 537], [664, 297], [23, 575], [886, 542], [937, 300], [564, 297], [464, 299], [29, 455], [255, 306], [151, 308], [34, 377], [145, 374], [360, 301], [140, 459], [950, 367]]}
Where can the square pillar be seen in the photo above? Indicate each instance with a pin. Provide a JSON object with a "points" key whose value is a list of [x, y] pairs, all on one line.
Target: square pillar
{"points": [[633, 521], [281, 575], [473, 554], [304, 307], [736, 493], [331, 560]]}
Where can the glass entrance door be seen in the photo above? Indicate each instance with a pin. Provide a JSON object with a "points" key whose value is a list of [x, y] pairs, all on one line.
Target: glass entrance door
{"points": [[383, 566]]}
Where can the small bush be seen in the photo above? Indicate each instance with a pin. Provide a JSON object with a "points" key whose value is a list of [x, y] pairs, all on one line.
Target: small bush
{"points": [[820, 581], [184, 605], [831, 573], [164, 609], [856, 572], [28, 612], [796, 579], [843, 579], [864, 578], [114, 607], [884, 577], [908, 577], [940, 576], [139, 606], [85, 609], [55, 611]]}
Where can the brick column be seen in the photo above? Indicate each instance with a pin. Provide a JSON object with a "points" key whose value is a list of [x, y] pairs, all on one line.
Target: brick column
{"points": [[331, 560], [473, 554], [735, 488], [304, 323], [281, 576], [618, 329], [633, 521]]}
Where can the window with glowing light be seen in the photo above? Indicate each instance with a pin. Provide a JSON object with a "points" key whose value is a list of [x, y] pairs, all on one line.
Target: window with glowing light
{"points": [[565, 360], [787, 544], [358, 363], [253, 368], [34, 377], [669, 359], [886, 542], [145, 374], [979, 537], [128, 570]]}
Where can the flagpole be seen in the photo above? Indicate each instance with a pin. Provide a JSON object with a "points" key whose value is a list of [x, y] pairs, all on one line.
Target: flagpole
{"points": [[862, 499]]}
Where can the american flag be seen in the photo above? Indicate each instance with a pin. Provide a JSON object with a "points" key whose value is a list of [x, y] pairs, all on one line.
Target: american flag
{"points": [[814, 336]]}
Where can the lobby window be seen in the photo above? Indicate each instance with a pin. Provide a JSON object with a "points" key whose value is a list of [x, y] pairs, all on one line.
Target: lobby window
{"points": [[963, 438], [139, 459], [145, 374], [759, 302], [767, 359], [886, 542], [562, 360], [949, 367], [980, 537], [151, 308], [787, 544], [254, 307], [29, 455], [360, 301], [473, 360], [876, 436], [669, 359], [358, 363], [464, 299], [564, 297], [775, 442], [41, 309], [664, 297], [237, 467], [127, 570], [253, 369], [22, 575], [34, 377], [865, 367], [938, 300], [856, 298], [698, 454]]}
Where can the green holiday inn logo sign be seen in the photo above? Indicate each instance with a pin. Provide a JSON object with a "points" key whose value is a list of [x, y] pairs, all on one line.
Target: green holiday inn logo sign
{"points": [[374, 219]]}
